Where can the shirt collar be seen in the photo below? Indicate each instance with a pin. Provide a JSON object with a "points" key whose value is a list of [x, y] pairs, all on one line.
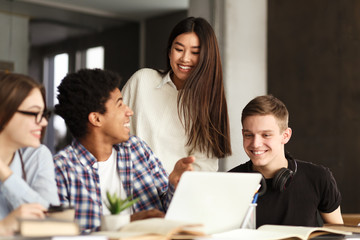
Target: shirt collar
{"points": [[166, 79], [84, 156]]}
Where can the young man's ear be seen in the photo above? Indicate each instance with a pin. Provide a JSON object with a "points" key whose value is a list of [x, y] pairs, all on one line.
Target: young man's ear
{"points": [[286, 136], [94, 119]]}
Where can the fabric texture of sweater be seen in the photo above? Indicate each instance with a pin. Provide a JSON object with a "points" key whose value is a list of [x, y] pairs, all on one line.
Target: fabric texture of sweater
{"points": [[153, 98]]}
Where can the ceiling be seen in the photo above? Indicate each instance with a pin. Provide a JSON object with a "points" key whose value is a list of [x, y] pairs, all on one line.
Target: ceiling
{"points": [[55, 20]]}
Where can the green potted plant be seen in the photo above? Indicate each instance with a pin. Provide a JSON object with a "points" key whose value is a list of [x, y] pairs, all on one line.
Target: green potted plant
{"points": [[116, 205]]}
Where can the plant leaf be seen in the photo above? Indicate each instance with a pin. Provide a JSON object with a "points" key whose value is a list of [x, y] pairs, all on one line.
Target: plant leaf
{"points": [[116, 205], [128, 204]]}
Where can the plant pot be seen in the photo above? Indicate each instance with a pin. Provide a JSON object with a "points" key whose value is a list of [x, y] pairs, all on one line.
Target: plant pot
{"points": [[114, 222]]}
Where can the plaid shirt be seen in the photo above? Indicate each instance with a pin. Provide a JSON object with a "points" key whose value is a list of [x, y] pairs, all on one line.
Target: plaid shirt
{"points": [[141, 173]]}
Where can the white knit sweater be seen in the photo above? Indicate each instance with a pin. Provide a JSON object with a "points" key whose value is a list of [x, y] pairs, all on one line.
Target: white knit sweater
{"points": [[153, 99]]}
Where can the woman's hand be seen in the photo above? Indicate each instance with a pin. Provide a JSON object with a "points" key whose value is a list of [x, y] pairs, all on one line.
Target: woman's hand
{"points": [[10, 224], [184, 164]]}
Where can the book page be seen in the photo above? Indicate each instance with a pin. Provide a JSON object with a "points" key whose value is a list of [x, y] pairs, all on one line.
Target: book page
{"points": [[301, 232], [162, 226], [155, 228], [246, 234], [128, 235], [344, 227]]}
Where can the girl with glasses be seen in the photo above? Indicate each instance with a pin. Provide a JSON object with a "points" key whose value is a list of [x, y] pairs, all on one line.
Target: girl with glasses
{"points": [[26, 167]]}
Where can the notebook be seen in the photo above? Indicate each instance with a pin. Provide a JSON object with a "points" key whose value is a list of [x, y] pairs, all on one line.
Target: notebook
{"points": [[219, 200]]}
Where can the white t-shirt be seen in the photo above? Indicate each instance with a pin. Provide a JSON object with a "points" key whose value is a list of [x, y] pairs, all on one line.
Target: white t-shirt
{"points": [[110, 181]]}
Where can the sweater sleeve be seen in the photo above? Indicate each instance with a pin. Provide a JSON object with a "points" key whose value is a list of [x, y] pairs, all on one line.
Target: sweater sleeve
{"points": [[204, 163], [40, 186]]}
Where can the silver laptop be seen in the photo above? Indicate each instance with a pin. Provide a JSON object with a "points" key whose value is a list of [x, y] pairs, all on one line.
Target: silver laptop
{"points": [[219, 200]]}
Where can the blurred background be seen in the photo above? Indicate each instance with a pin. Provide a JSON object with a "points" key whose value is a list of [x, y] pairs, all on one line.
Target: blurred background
{"points": [[305, 52]]}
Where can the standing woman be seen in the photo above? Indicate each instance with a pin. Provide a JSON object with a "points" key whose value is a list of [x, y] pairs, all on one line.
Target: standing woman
{"points": [[182, 111], [27, 172]]}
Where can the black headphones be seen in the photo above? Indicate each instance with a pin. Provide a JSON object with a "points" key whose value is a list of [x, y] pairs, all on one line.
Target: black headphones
{"points": [[281, 179]]}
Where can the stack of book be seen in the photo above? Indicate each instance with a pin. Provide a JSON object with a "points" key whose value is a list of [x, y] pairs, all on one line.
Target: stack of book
{"points": [[59, 221]]}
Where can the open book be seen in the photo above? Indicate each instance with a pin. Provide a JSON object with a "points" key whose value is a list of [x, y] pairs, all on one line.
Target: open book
{"points": [[155, 228], [272, 232], [344, 227]]}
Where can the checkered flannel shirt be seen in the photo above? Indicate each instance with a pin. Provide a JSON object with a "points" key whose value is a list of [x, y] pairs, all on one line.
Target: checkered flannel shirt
{"points": [[141, 173]]}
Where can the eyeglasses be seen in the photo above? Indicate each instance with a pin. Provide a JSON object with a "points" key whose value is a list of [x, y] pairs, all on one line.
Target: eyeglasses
{"points": [[38, 115]]}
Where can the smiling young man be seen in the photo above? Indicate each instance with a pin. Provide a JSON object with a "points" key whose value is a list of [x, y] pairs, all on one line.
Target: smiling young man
{"points": [[103, 157], [295, 191]]}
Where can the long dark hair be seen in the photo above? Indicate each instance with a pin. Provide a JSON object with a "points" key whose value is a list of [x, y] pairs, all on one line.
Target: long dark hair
{"points": [[13, 91], [202, 101]]}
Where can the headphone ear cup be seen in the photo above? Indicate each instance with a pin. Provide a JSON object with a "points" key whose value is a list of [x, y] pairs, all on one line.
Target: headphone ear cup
{"points": [[263, 187], [282, 179]]}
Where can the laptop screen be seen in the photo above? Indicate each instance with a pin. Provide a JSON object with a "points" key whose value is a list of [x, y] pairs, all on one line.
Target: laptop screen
{"points": [[219, 200]]}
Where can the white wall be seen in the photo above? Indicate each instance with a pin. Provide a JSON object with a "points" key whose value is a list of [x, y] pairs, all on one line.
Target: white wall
{"points": [[240, 26], [244, 64], [14, 41]]}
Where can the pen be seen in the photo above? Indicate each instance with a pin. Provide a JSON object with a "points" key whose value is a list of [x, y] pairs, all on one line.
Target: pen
{"points": [[255, 198], [256, 194]]}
